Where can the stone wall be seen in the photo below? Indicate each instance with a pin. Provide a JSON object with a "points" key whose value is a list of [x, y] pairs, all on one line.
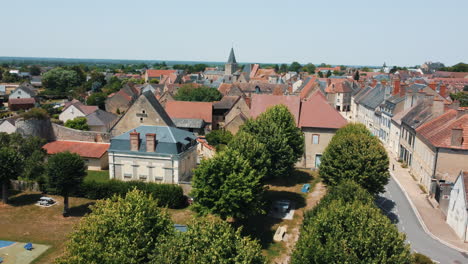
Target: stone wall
{"points": [[65, 133], [39, 128], [25, 186]]}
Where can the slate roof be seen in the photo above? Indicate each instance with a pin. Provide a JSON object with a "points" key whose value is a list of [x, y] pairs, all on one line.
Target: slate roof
{"points": [[169, 140], [26, 89], [84, 149], [438, 131], [316, 112], [188, 122], [227, 102], [232, 57], [194, 110], [374, 97], [158, 107], [100, 118], [261, 102], [419, 114]]}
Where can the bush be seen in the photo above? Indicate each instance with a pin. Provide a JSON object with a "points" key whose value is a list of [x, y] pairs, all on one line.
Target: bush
{"points": [[419, 258], [35, 113], [169, 195]]}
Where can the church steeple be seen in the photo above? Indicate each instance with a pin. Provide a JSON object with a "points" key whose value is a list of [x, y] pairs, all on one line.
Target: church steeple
{"points": [[231, 65], [232, 57]]}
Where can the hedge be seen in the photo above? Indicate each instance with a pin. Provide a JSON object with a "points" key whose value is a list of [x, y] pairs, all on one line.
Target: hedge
{"points": [[169, 195]]}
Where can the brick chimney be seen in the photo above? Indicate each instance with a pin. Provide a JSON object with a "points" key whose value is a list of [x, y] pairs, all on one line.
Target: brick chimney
{"points": [[396, 86], [150, 142], [134, 141], [403, 90], [432, 85], [443, 90], [374, 83], [457, 136]]}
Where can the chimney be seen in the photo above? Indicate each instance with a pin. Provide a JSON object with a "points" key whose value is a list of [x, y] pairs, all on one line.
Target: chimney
{"points": [[457, 137], [402, 90], [150, 142], [329, 81], [396, 86], [134, 141], [443, 90], [461, 112], [374, 83], [432, 85], [437, 107]]}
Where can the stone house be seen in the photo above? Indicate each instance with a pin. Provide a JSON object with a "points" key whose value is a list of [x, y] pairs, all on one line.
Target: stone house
{"points": [[457, 213], [8, 125], [153, 154], [74, 109], [221, 108], [120, 101], [23, 91], [157, 74], [237, 116], [319, 122], [146, 110], [94, 154], [441, 148]]}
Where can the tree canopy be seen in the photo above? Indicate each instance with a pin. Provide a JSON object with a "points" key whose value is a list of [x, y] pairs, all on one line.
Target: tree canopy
{"points": [[122, 228], [295, 66], [310, 68], [65, 171], [219, 138], [226, 185], [208, 240], [98, 99], [459, 67], [198, 94], [80, 123], [347, 227], [61, 80], [11, 165], [276, 129], [354, 154]]}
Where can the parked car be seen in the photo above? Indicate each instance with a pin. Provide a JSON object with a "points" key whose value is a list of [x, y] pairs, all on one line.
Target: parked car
{"points": [[46, 201]]}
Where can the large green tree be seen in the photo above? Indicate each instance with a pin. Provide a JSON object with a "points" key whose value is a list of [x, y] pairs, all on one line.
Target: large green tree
{"points": [[198, 94], [226, 185], [309, 68], [61, 80], [11, 165], [65, 171], [98, 99], [358, 156], [209, 241], [118, 230], [350, 233], [276, 129]]}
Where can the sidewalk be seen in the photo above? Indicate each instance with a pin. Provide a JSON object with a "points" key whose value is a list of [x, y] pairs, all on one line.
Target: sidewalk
{"points": [[433, 218]]}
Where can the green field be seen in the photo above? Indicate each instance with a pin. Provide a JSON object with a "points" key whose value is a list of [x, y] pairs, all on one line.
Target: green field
{"points": [[98, 176]]}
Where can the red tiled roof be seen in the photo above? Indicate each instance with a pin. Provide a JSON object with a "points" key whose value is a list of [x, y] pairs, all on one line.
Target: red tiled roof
{"points": [[159, 73], [261, 102], [438, 131], [338, 86], [316, 112], [84, 149], [224, 88], [13, 101], [192, 110]]}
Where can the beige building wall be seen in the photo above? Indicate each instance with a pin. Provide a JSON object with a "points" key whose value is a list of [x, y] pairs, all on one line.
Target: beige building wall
{"points": [[422, 164], [311, 150], [140, 113], [239, 107], [98, 164], [234, 125]]}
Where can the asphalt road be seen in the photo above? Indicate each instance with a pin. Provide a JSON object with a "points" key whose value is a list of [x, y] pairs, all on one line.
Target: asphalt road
{"points": [[398, 209]]}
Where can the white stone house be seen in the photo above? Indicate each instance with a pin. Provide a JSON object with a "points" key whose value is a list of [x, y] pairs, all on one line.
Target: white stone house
{"points": [[153, 154], [457, 216]]}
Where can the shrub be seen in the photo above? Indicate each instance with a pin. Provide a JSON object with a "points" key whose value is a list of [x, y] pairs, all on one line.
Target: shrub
{"points": [[419, 258], [169, 195], [35, 113]]}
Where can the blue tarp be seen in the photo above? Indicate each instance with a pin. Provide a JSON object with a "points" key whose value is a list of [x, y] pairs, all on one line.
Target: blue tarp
{"points": [[305, 188]]}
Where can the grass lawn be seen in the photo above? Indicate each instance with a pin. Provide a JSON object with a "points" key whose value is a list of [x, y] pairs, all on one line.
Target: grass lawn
{"points": [[98, 176], [23, 221]]}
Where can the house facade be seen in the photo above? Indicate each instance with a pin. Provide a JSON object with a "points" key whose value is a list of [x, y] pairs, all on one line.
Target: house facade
{"points": [[153, 154], [457, 213]]}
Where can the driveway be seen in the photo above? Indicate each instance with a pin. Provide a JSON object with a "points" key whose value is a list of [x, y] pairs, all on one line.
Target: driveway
{"points": [[398, 209]]}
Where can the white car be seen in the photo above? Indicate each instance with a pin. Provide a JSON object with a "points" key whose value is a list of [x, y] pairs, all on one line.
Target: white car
{"points": [[46, 201]]}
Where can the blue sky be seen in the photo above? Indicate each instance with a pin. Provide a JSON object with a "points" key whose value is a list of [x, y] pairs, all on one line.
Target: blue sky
{"points": [[358, 32]]}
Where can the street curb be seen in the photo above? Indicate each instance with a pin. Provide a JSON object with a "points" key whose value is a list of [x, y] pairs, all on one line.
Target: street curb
{"points": [[416, 212]]}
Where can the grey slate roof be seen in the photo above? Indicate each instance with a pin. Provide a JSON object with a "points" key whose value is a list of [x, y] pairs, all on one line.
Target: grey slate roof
{"points": [[417, 116], [188, 122], [232, 57], [226, 102], [374, 97], [100, 118], [169, 140]]}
